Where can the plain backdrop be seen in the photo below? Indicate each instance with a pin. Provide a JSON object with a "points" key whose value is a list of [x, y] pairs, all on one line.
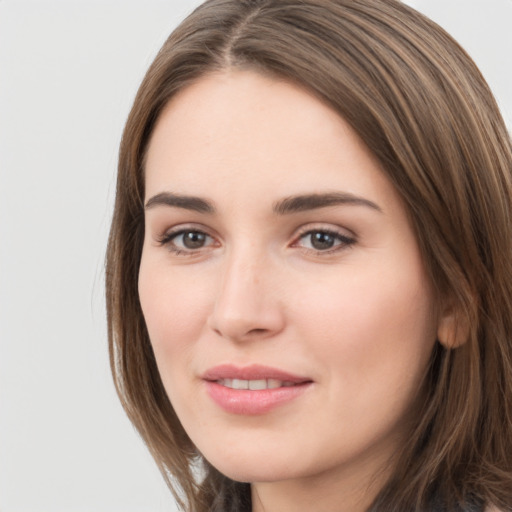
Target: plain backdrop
{"points": [[69, 71]]}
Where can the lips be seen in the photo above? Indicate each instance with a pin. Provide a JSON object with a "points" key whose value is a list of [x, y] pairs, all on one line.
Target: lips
{"points": [[254, 389]]}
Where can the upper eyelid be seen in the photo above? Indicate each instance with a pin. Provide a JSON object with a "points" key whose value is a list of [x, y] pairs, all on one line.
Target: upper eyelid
{"points": [[172, 233], [180, 228], [326, 227], [343, 239]]}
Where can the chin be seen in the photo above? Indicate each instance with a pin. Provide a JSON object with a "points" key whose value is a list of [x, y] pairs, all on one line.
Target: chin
{"points": [[246, 469]]}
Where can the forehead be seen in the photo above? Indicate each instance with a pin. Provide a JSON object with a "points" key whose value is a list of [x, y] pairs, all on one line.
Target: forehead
{"points": [[240, 132]]}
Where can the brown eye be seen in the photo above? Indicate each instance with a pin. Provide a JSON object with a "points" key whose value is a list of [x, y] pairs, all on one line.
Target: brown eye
{"points": [[324, 241], [193, 239], [186, 241], [321, 241]]}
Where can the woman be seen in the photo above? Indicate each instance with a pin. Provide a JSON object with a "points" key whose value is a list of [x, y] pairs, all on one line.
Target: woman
{"points": [[309, 284]]}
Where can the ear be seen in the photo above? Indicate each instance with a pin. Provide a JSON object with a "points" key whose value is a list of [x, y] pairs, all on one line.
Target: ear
{"points": [[452, 327]]}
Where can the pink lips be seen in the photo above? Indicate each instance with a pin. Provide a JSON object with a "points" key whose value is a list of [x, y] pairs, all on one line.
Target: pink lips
{"points": [[279, 386]]}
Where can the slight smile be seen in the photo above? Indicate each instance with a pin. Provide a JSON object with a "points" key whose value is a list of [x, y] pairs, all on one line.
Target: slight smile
{"points": [[252, 390]]}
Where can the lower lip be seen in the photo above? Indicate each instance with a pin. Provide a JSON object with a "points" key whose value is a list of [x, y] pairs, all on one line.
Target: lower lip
{"points": [[253, 402]]}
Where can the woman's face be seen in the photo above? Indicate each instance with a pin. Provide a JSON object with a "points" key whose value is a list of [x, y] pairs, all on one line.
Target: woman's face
{"points": [[279, 258]]}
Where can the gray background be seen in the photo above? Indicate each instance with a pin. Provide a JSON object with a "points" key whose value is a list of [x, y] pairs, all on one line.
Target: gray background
{"points": [[68, 74]]}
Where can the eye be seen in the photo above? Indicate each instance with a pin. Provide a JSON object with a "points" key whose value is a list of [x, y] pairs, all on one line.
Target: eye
{"points": [[322, 240], [186, 240]]}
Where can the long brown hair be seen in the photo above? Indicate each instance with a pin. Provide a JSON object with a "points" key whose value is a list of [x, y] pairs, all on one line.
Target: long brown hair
{"points": [[422, 107]]}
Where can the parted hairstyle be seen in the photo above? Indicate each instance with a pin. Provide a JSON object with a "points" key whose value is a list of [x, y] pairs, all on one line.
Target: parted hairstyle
{"points": [[423, 109]]}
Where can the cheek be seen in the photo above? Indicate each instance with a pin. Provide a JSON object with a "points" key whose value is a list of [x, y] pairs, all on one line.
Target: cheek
{"points": [[175, 310], [374, 322]]}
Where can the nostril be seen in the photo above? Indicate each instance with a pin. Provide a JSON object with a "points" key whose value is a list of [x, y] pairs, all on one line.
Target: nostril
{"points": [[257, 331]]}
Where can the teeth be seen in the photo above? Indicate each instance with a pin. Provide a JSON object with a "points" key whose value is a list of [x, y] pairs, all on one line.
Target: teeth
{"points": [[240, 384], [273, 383], [258, 384], [254, 384]]}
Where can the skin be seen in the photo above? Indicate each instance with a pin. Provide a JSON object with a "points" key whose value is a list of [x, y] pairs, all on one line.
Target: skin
{"points": [[357, 319]]}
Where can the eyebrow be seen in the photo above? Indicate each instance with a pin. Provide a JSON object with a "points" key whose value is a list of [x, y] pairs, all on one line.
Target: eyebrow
{"points": [[288, 205], [193, 203], [306, 202]]}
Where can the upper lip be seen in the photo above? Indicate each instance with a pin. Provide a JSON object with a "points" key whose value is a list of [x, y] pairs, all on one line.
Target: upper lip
{"points": [[252, 372]]}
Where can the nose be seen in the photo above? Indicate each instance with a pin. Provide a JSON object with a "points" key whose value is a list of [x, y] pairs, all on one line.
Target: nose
{"points": [[247, 304]]}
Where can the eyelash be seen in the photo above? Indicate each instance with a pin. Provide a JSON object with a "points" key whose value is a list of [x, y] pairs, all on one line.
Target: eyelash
{"points": [[344, 241], [168, 238]]}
